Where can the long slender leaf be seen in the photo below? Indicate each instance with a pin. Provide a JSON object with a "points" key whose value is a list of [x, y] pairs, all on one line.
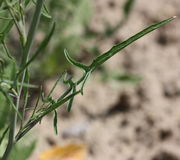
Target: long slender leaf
{"points": [[41, 47], [18, 83], [128, 7], [3, 135], [32, 30], [71, 100], [55, 84], [55, 122], [45, 11], [27, 2], [104, 57]]}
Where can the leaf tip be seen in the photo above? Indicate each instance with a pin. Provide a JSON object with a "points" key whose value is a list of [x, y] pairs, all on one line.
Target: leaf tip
{"points": [[82, 93]]}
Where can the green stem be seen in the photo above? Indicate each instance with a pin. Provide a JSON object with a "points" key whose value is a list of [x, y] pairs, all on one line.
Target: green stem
{"points": [[28, 45], [26, 52], [32, 31]]}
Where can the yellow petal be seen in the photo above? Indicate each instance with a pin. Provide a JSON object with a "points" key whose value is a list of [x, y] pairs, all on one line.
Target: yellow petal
{"points": [[68, 152]]}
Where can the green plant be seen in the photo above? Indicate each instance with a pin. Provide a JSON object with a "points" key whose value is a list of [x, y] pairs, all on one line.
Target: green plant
{"points": [[15, 72], [72, 32]]}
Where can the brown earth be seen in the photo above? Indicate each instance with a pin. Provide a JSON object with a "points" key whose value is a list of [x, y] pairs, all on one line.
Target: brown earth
{"points": [[120, 121]]}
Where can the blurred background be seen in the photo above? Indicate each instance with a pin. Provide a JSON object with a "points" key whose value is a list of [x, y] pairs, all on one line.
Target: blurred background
{"points": [[130, 109]]}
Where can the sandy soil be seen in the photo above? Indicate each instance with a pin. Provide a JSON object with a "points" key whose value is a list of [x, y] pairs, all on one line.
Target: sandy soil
{"points": [[128, 122]]}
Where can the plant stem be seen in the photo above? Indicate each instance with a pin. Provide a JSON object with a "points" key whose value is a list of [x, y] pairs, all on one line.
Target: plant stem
{"points": [[25, 55], [28, 45]]}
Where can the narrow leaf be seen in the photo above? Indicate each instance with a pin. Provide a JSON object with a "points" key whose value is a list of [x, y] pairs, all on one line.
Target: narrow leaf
{"points": [[27, 2], [55, 122], [55, 84], [128, 7], [104, 57], [3, 135], [45, 12], [41, 47], [71, 100], [32, 31], [18, 83]]}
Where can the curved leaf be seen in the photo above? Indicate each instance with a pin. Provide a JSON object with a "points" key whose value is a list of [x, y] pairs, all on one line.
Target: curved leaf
{"points": [[75, 63]]}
